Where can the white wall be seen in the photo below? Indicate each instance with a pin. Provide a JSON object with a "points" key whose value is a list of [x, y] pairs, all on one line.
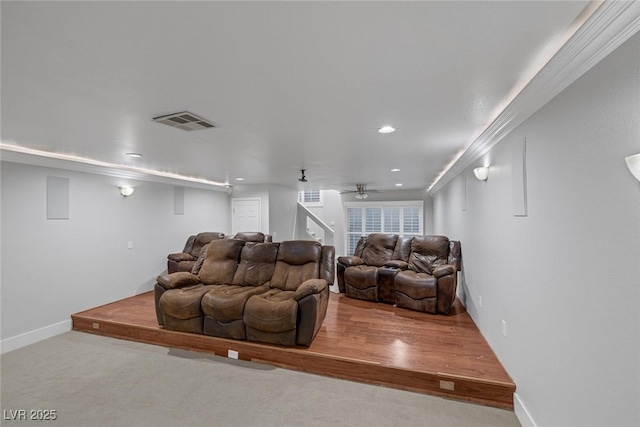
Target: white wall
{"points": [[54, 268], [282, 212], [566, 278]]}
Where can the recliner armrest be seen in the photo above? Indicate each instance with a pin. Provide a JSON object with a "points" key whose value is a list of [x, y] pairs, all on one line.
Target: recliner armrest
{"points": [[310, 287], [181, 257], [349, 261], [396, 263], [180, 279], [443, 270]]}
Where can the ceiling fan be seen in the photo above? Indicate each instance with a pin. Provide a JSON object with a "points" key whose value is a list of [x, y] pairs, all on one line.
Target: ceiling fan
{"points": [[361, 191]]}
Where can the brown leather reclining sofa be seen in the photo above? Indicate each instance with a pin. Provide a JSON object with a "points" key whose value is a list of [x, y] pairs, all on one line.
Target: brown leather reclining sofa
{"points": [[268, 292], [185, 260], [418, 273]]}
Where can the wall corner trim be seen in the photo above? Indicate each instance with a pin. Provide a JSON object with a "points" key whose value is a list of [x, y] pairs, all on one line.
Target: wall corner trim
{"points": [[522, 413]]}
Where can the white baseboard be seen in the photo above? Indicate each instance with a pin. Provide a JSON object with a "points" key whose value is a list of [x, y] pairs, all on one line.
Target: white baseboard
{"points": [[521, 412], [32, 337]]}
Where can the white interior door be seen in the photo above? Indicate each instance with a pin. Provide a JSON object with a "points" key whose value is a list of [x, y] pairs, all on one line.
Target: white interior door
{"points": [[245, 215]]}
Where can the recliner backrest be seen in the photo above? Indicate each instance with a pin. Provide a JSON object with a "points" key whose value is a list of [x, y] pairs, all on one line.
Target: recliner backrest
{"points": [[201, 239], [221, 261], [428, 252], [359, 246], [252, 236], [403, 248], [455, 254], [189, 245], [257, 263], [298, 261], [378, 249], [328, 264]]}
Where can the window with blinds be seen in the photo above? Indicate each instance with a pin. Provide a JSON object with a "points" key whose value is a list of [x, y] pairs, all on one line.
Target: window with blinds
{"points": [[310, 197], [402, 218]]}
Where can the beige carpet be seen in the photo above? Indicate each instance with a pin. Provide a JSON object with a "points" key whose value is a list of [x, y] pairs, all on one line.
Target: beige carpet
{"points": [[96, 381]]}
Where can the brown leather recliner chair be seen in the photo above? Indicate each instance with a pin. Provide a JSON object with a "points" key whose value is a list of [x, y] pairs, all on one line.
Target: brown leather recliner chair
{"points": [[419, 273], [223, 306], [429, 281], [185, 260], [232, 273], [369, 274], [179, 295], [292, 311]]}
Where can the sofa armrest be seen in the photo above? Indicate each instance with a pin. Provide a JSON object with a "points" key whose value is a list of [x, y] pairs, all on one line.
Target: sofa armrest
{"points": [[181, 257], [180, 279], [310, 287], [443, 270], [447, 284], [349, 261], [396, 263]]}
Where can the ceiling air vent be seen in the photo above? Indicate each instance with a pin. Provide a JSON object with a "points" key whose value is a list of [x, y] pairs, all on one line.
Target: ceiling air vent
{"points": [[185, 121]]}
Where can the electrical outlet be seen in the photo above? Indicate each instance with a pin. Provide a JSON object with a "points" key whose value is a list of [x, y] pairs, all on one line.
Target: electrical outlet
{"points": [[480, 301], [503, 327], [96, 325], [447, 385], [130, 244], [232, 354]]}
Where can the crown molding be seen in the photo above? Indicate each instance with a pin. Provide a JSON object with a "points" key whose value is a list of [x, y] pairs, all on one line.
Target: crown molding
{"points": [[610, 25], [18, 154]]}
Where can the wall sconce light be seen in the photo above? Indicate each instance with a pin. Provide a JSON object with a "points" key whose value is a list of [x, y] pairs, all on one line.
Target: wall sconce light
{"points": [[126, 191], [481, 173], [633, 163]]}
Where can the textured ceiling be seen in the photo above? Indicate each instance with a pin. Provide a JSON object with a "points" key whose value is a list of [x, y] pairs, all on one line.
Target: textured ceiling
{"points": [[292, 84]]}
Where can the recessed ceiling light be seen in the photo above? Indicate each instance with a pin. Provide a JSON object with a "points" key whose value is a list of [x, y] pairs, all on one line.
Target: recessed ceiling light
{"points": [[386, 129], [239, 179], [395, 170], [136, 155], [398, 185]]}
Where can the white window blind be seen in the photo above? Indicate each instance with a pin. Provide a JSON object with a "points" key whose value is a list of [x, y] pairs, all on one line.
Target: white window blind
{"points": [[310, 197], [402, 218]]}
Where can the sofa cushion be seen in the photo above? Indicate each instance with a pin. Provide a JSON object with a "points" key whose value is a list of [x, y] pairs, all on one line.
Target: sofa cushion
{"points": [[226, 302], [183, 303], [221, 261], [416, 285], [378, 248], [297, 261], [361, 276], [257, 262], [428, 252], [274, 311]]}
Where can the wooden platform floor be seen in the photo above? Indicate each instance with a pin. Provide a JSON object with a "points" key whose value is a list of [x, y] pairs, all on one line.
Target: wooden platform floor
{"points": [[359, 340]]}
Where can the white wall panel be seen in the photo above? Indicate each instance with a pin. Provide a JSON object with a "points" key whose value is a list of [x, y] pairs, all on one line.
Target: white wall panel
{"points": [[565, 277], [51, 269]]}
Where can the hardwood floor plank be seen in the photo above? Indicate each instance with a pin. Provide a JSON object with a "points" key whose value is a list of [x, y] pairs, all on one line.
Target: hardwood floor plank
{"points": [[359, 340]]}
